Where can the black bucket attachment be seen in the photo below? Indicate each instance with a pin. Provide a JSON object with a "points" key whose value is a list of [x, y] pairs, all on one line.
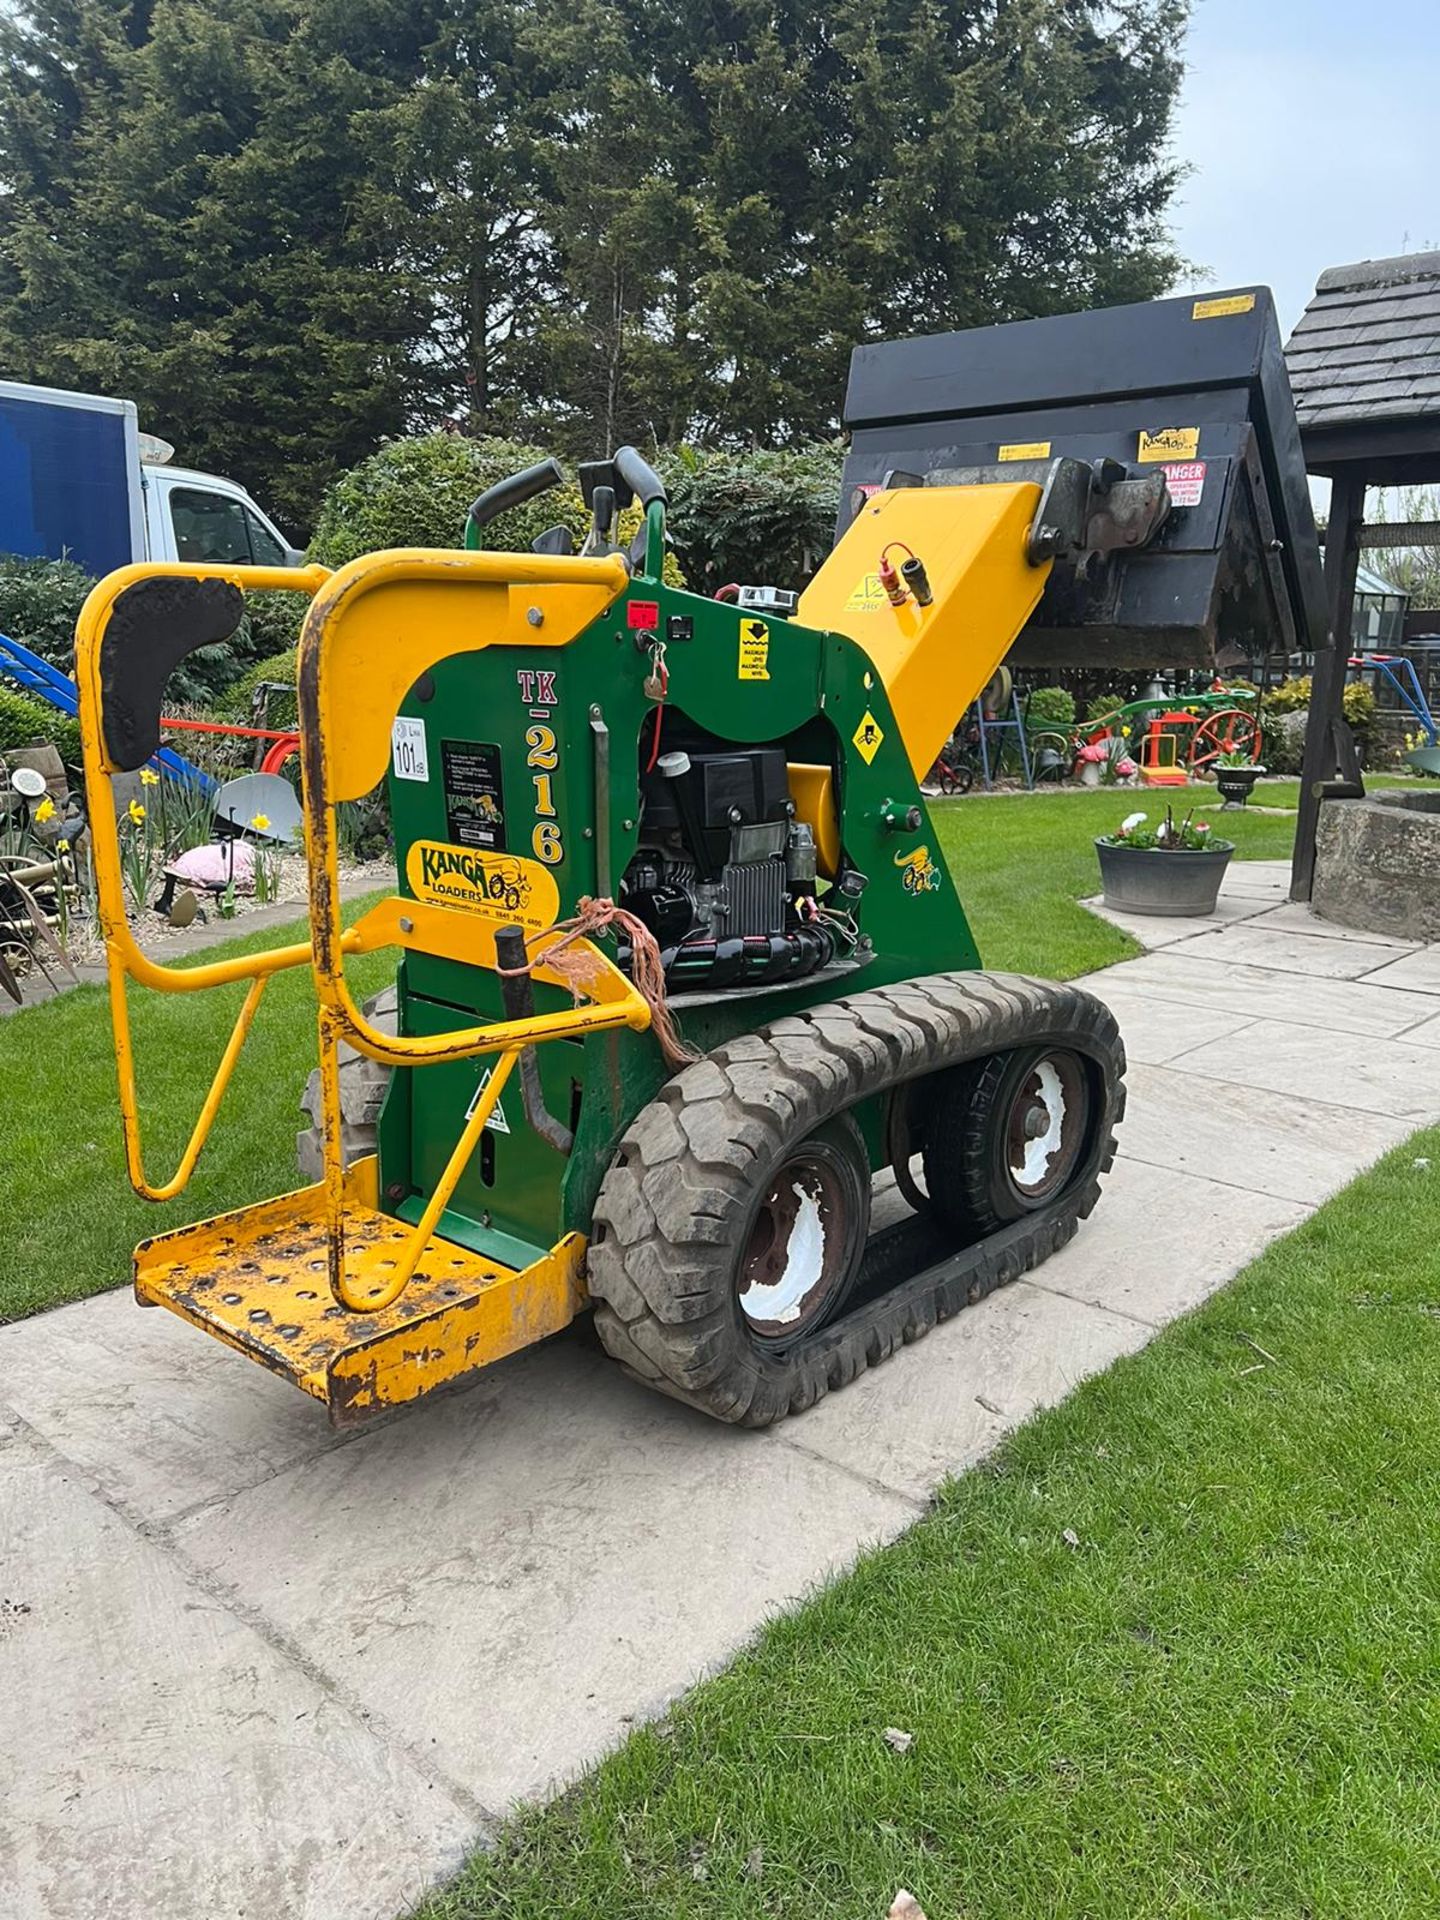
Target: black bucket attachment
{"points": [[1196, 387]]}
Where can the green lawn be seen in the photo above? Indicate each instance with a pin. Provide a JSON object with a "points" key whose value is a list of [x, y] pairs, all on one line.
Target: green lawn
{"points": [[68, 1218], [1172, 1652]]}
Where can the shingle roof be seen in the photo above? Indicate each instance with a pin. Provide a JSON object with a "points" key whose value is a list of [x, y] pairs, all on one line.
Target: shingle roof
{"points": [[1367, 348]]}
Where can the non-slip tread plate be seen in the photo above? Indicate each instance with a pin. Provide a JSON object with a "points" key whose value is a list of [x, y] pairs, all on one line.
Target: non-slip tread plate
{"points": [[257, 1280]]}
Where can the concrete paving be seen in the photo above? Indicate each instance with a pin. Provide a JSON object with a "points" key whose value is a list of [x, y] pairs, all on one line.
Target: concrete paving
{"points": [[250, 1668]]}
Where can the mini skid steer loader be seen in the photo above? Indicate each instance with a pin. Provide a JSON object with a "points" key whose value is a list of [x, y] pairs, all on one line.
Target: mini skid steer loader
{"points": [[682, 965]]}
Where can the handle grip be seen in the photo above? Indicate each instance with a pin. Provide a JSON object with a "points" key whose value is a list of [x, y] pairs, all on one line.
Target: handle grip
{"points": [[515, 491], [517, 989], [638, 474]]}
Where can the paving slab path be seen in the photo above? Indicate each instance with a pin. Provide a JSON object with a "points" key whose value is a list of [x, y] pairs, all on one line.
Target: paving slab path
{"points": [[250, 1668]]}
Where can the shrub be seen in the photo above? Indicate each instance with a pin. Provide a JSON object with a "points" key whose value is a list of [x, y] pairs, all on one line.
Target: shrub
{"points": [[271, 625], [1103, 705], [23, 721], [416, 493], [40, 601], [1049, 710], [1284, 737], [756, 518], [281, 711], [1291, 696], [1359, 707]]}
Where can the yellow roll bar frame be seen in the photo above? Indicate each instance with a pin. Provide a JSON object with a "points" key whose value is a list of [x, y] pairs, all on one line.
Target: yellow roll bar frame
{"points": [[372, 629]]}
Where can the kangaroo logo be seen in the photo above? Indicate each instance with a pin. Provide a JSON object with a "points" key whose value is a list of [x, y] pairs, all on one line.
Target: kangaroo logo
{"points": [[919, 873]]}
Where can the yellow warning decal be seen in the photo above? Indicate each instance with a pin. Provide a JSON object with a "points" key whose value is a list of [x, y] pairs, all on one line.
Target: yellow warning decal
{"points": [[497, 886], [754, 650], [1026, 450], [1218, 309], [868, 597], [1170, 443], [867, 737]]}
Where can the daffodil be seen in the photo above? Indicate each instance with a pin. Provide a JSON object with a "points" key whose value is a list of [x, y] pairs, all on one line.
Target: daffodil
{"points": [[45, 811], [148, 777], [260, 822], [137, 812], [62, 845]]}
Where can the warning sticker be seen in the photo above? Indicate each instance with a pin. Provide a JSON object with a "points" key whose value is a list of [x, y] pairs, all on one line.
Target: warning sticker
{"points": [[754, 650], [1218, 309], [1186, 482], [474, 793], [1026, 450], [497, 1121], [868, 597], [1169, 443], [867, 737]]}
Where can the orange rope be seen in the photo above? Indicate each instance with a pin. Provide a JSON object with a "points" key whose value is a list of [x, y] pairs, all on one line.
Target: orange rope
{"points": [[603, 916]]}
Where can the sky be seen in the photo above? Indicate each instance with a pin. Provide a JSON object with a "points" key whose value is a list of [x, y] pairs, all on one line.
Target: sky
{"points": [[1311, 129]]}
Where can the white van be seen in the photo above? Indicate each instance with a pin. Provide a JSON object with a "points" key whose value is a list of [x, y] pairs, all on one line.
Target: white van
{"points": [[78, 480]]}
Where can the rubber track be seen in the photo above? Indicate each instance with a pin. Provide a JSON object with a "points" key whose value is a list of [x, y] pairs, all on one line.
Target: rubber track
{"points": [[679, 1192], [363, 1084]]}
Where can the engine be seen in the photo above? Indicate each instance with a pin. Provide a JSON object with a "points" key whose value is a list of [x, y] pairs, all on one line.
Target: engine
{"points": [[724, 875]]}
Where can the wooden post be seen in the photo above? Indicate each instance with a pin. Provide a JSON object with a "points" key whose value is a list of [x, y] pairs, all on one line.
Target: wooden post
{"points": [[1327, 683]]}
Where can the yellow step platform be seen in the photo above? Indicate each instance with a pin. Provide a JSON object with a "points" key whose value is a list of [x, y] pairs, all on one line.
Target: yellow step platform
{"points": [[256, 1279]]}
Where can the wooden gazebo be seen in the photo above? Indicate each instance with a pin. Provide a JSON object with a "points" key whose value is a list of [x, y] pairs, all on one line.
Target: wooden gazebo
{"points": [[1364, 363]]}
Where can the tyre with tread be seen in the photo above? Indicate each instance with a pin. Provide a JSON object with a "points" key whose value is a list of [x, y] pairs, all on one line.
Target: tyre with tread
{"points": [[675, 1209], [363, 1084]]}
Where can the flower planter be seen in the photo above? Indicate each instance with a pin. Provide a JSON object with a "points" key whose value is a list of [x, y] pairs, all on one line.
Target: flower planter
{"points": [[1153, 880], [1235, 784]]}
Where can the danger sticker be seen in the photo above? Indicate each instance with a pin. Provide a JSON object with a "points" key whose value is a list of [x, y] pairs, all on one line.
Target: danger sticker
{"points": [[868, 597], [1186, 482], [754, 650], [497, 1122], [1219, 309], [867, 737], [1169, 443]]}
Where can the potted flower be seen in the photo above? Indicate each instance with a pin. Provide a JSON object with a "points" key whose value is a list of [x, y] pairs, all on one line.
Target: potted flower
{"points": [[1235, 776], [1171, 868]]}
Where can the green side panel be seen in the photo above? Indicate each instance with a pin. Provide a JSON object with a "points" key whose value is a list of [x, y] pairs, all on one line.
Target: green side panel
{"points": [[486, 716]]}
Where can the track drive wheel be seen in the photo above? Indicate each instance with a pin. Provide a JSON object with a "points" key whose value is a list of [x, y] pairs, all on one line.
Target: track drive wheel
{"points": [[727, 1258], [1004, 1136]]}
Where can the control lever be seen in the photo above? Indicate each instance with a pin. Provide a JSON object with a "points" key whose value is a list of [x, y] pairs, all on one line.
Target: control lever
{"points": [[513, 491], [601, 537], [639, 476], [517, 996]]}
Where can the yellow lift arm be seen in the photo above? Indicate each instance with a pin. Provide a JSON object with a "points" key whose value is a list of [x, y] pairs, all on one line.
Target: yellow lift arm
{"points": [[934, 660]]}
